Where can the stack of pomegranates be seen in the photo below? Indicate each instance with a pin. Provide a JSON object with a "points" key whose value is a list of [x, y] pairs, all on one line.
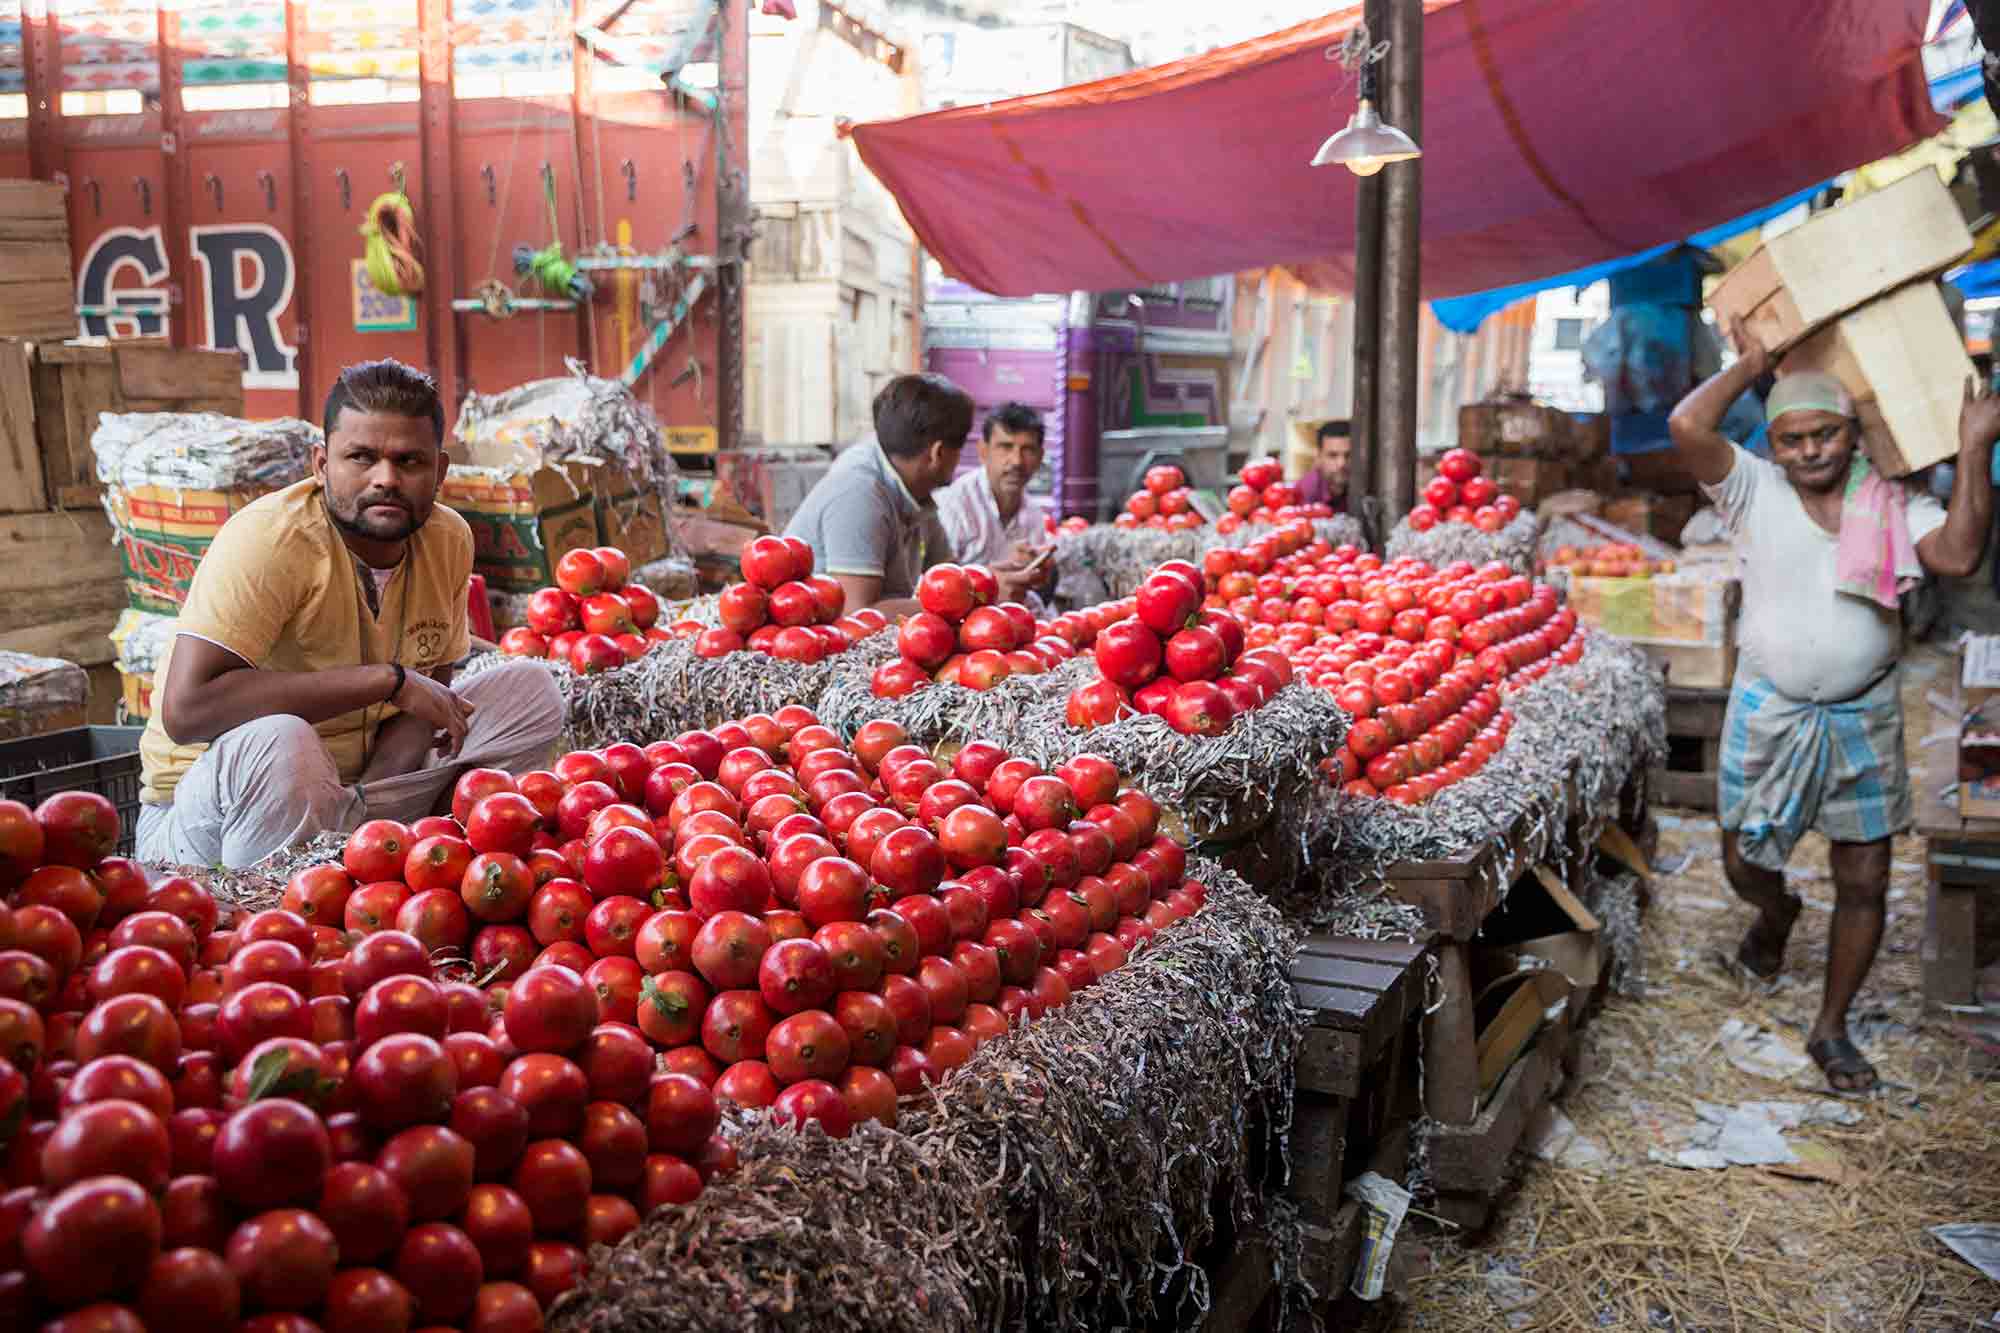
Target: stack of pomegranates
{"points": [[965, 636], [1261, 496], [1177, 660], [595, 619], [1460, 493], [1162, 501], [782, 608]]}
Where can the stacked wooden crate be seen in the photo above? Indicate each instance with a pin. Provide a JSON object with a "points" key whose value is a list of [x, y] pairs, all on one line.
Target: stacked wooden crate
{"points": [[65, 582], [35, 288]]}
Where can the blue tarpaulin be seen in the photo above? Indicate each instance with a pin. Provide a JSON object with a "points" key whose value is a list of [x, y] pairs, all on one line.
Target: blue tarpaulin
{"points": [[1977, 280], [1462, 314]]}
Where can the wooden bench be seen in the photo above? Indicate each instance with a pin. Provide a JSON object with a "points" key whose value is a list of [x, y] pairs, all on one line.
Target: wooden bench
{"points": [[1961, 864]]}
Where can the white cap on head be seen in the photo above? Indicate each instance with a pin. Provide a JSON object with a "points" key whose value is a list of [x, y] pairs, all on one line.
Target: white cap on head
{"points": [[1808, 391]]}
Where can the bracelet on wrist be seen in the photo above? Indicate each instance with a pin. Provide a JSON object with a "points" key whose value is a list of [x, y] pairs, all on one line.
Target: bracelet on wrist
{"points": [[397, 688]]}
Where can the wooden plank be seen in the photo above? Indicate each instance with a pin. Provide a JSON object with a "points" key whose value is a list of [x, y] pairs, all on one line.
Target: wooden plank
{"points": [[54, 230], [65, 585], [1378, 977], [90, 389], [1336, 1006], [1690, 791], [21, 483], [179, 374], [27, 262], [1950, 942], [38, 310], [1451, 1060], [1243, 1285], [1472, 1158], [84, 640], [1330, 1062], [1396, 953], [1319, 1152], [31, 199], [74, 353], [1696, 712]]}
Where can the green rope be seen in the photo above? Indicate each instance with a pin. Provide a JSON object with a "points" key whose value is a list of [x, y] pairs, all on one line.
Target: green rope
{"points": [[549, 268]]}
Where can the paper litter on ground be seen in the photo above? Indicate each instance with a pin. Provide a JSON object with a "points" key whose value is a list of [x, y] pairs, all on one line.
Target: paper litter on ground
{"points": [[1756, 1051], [1750, 1133], [1978, 1243]]}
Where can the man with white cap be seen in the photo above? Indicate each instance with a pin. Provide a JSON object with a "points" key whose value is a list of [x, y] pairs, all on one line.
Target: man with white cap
{"points": [[1813, 737]]}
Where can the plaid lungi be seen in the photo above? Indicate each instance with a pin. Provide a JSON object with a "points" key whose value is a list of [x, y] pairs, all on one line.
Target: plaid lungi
{"points": [[1790, 765]]}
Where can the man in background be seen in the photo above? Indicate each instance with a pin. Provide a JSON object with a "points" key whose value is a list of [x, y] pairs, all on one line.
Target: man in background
{"points": [[988, 515], [1326, 481], [872, 519]]}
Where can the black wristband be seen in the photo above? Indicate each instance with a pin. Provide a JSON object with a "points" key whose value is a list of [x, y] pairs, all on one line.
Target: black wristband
{"points": [[401, 676]]}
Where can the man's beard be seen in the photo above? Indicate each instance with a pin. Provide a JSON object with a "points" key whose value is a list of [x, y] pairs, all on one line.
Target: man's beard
{"points": [[360, 522]]}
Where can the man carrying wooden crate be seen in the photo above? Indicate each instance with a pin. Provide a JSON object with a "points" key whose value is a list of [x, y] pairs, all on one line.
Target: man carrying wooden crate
{"points": [[1813, 736], [308, 687]]}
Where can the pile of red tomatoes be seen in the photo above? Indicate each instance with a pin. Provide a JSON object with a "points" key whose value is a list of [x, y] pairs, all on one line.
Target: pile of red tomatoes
{"points": [[1162, 501], [782, 609]]}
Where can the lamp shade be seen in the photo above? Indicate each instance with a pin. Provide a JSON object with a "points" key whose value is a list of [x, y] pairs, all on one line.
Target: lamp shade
{"points": [[1366, 145]]}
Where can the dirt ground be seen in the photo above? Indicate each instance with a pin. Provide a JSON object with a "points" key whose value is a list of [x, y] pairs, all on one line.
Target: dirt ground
{"points": [[1609, 1237]]}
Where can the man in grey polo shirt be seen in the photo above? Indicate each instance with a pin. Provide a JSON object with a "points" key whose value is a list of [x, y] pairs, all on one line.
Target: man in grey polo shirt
{"points": [[871, 520]]}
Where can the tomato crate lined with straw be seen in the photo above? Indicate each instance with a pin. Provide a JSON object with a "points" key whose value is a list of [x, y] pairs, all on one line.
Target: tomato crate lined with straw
{"points": [[100, 759]]}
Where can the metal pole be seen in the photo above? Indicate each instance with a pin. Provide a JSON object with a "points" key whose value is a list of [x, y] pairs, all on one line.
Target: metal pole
{"points": [[1402, 226], [177, 196], [298, 133], [732, 219], [1362, 465], [438, 222]]}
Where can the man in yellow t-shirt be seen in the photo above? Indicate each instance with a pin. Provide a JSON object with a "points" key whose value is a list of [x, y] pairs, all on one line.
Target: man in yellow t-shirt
{"points": [[308, 686]]}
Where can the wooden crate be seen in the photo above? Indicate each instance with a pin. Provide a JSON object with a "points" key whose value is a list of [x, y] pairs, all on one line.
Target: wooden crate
{"points": [[1694, 748], [1351, 1112], [65, 585], [1962, 876], [37, 298], [22, 488], [75, 383]]}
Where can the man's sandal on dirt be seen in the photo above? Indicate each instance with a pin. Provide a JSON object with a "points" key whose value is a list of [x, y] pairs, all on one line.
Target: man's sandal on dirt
{"points": [[1847, 1070]]}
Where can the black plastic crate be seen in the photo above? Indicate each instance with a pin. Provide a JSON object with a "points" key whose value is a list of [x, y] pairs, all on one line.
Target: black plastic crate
{"points": [[100, 759]]}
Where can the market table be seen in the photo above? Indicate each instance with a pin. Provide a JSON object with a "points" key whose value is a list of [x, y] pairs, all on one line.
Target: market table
{"points": [[1961, 863]]}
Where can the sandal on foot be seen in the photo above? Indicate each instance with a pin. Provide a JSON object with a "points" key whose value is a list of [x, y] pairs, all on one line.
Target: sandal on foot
{"points": [[1847, 1070], [1759, 954]]}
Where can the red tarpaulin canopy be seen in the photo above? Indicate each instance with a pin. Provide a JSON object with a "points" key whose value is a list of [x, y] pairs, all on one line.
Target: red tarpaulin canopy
{"points": [[1556, 133]]}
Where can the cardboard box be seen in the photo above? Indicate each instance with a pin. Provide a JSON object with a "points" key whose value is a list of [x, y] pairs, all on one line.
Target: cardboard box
{"points": [[163, 534], [1841, 259], [629, 517], [523, 522], [1904, 360], [1685, 621], [135, 703], [1979, 727]]}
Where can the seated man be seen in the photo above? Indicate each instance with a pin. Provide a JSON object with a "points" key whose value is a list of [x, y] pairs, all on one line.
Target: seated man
{"points": [[308, 688], [871, 521], [988, 515], [1326, 481]]}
